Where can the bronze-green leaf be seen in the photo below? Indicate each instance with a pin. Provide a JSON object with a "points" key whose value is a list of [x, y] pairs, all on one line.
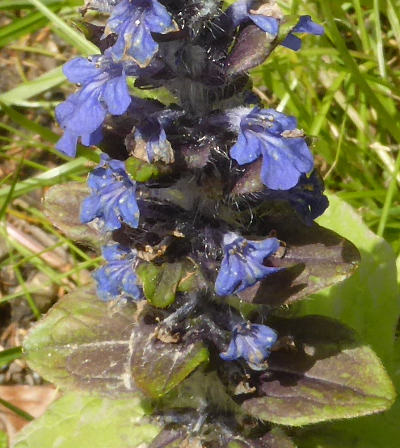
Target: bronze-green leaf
{"points": [[159, 363], [62, 206], [84, 343], [329, 376]]}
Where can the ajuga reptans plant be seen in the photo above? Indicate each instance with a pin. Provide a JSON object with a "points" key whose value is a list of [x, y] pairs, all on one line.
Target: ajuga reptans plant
{"points": [[204, 204]]}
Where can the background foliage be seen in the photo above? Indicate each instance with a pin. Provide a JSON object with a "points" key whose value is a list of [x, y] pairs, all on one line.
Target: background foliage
{"points": [[344, 88]]}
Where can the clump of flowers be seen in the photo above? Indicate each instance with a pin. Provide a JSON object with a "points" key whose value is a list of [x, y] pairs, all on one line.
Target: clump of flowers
{"points": [[207, 202]]}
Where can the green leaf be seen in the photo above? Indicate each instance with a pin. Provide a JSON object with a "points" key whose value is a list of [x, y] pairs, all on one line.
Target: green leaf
{"points": [[140, 170], [88, 421], [329, 376], [84, 344], [3, 440], [368, 301], [202, 386], [160, 282], [62, 206]]}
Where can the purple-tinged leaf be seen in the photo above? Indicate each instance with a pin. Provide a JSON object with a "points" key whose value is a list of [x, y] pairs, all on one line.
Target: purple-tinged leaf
{"points": [[324, 375], [170, 438], [275, 438], [315, 258], [252, 48], [213, 435]]}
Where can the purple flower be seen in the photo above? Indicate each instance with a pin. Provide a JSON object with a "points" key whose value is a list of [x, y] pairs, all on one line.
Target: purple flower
{"points": [[251, 342], [113, 198], [273, 136], [242, 265], [117, 278], [134, 21], [305, 25], [103, 89]]}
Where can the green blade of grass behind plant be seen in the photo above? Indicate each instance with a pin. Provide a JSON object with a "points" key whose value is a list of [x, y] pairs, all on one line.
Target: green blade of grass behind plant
{"points": [[22, 27], [386, 119], [53, 176], [11, 5], [46, 134], [17, 410], [11, 189], [54, 77], [27, 294], [79, 41], [379, 39], [9, 355], [29, 89]]}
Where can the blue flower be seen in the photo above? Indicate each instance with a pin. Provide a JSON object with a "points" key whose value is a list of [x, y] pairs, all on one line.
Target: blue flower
{"points": [[103, 89], [273, 136], [252, 342], [268, 18], [242, 265], [307, 197], [305, 25], [134, 21], [151, 137], [117, 278], [113, 198]]}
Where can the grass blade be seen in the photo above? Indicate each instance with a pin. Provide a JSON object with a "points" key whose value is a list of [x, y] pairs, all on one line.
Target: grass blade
{"points": [[80, 42], [17, 410], [35, 87], [7, 356]]}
